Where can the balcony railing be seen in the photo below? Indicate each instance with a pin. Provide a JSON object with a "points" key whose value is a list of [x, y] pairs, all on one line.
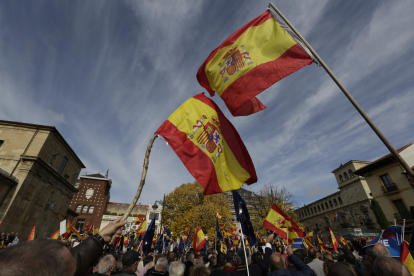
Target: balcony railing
{"points": [[403, 215], [389, 188]]}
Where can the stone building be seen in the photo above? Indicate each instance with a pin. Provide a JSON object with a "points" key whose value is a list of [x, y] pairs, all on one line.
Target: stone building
{"points": [[91, 200], [115, 210], [249, 197], [352, 202], [41, 171], [389, 185]]}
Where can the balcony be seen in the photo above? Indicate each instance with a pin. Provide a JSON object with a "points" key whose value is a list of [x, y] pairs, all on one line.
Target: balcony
{"points": [[403, 215], [389, 188]]}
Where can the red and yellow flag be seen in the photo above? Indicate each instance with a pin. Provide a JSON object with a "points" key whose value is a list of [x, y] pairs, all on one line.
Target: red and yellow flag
{"points": [[219, 216], [72, 229], [223, 248], [56, 235], [321, 246], [1, 244], [406, 258], [309, 235], [277, 221], [187, 230], [32, 234], [334, 241], [252, 59], [199, 239], [209, 146], [236, 242], [233, 227], [343, 241], [143, 227], [139, 219], [308, 243]]}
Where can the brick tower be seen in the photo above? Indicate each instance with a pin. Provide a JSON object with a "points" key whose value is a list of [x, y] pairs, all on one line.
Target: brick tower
{"points": [[90, 202]]}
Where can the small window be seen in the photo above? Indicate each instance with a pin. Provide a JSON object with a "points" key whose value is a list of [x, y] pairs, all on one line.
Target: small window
{"points": [[308, 213], [79, 224], [62, 165], [323, 208], [78, 208], [84, 209], [335, 203], [319, 208], [314, 208], [346, 176], [386, 179], [311, 211], [330, 203], [339, 200], [351, 174], [1, 143], [326, 205], [90, 211], [340, 178]]}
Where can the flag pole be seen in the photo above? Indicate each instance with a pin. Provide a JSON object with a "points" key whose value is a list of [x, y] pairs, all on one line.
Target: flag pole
{"points": [[244, 250], [403, 230], [141, 183], [348, 95]]}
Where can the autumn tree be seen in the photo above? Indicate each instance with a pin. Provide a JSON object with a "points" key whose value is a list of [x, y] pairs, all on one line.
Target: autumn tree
{"points": [[187, 205], [268, 195]]}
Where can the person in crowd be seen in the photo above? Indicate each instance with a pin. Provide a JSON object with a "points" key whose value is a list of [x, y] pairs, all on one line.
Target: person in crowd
{"points": [[160, 268], [385, 266], [372, 253], [278, 266], [51, 257], [15, 239], [12, 236], [172, 257], [189, 263], [145, 261], [221, 260], [130, 261], [200, 270], [176, 268], [230, 257], [316, 265], [213, 261], [341, 269], [358, 266], [7, 240], [301, 254], [254, 269], [256, 258], [106, 266], [328, 261], [199, 262]]}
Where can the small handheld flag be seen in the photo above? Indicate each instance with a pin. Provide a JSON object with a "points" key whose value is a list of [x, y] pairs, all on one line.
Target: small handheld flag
{"points": [[32, 234], [219, 216], [56, 235], [406, 257], [199, 239], [334, 241]]}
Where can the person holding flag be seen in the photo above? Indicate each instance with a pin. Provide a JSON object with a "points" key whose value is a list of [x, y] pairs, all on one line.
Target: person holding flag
{"points": [[334, 241], [199, 239]]}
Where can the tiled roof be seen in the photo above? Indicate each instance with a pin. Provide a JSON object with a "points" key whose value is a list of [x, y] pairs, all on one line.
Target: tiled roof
{"points": [[380, 159]]}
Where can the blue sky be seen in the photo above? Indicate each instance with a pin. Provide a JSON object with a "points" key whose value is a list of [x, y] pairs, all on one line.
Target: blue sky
{"points": [[107, 74]]}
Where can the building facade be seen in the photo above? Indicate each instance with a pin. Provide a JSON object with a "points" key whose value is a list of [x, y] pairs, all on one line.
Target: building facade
{"points": [[44, 170], [352, 202], [116, 210], [389, 185], [249, 197], [91, 200]]}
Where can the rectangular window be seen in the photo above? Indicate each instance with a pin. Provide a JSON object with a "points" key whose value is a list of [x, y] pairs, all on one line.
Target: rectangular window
{"points": [[399, 204], [79, 224], [386, 179], [366, 215], [62, 165], [1, 143]]}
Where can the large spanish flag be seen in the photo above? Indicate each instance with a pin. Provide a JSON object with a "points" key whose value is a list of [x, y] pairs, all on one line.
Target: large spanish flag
{"points": [[199, 239], [32, 234], [209, 146], [252, 59], [277, 220]]}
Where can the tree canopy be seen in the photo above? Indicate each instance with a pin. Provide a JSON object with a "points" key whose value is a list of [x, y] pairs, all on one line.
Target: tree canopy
{"points": [[187, 205]]}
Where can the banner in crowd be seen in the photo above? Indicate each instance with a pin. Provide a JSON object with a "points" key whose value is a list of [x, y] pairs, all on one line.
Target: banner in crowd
{"points": [[209, 146], [298, 243], [390, 238], [252, 59]]}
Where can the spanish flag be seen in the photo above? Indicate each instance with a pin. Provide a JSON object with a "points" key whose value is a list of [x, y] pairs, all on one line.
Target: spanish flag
{"points": [[32, 234], [209, 146], [72, 229], [56, 235], [276, 219], [308, 243], [223, 248], [309, 235], [139, 219], [343, 241], [334, 241], [406, 258], [219, 216], [252, 59], [143, 227], [233, 227], [199, 240], [321, 246], [1, 244], [236, 242]]}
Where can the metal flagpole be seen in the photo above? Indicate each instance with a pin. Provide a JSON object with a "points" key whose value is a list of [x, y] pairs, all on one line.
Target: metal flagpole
{"points": [[403, 229], [244, 250], [350, 98]]}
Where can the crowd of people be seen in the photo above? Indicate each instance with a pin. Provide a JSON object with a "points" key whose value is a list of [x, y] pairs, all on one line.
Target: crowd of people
{"points": [[9, 239], [270, 257]]}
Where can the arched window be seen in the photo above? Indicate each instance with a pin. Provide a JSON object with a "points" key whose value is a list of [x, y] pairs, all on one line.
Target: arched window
{"points": [[90, 210], [330, 203], [311, 210], [314, 208], [335, 203], [340, 200], [346, 176], [351, 174], [323, 208], [308, 213], [340, 178], [78, 208], [326, 205], [319, 208], [301, 212], [84, 209]]}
